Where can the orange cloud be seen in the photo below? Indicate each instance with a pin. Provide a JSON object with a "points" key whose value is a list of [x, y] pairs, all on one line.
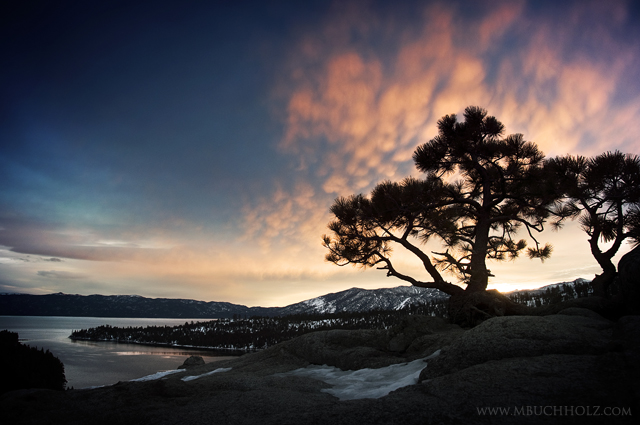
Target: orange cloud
{"points": [[492, 27], [362, 119], [372, 110], [568, 104], [355, 114]]}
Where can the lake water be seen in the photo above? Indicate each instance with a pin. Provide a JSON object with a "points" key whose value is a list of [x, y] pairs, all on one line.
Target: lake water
{"points": [[91, 364]]}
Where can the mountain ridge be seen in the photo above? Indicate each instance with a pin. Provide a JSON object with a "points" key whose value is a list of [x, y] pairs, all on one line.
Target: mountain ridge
{"points": [[136, 306]]}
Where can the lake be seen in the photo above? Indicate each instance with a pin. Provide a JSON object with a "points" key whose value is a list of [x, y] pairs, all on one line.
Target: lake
{"points": [[92, 364]]}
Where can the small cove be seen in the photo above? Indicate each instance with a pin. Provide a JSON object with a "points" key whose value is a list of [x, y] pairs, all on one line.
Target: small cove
{"points": [[92, 364]]}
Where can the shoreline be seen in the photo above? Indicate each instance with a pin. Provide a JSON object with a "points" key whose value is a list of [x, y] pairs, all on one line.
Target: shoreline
{"points": [[574, 358], [226, 351]]}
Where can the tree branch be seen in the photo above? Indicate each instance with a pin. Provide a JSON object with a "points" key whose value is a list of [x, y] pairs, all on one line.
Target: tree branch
{"points": [[441, 285]]}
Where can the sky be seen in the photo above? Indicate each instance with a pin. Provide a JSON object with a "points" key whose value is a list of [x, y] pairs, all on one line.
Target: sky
{"points": [[193, 149]]}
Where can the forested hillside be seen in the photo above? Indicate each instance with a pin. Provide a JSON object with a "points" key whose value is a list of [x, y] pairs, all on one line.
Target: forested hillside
{"points": [[253, 333], [258, 332]]}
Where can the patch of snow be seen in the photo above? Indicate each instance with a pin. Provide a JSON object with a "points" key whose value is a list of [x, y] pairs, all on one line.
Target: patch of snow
{"points": [[315, 302], [403, 303], [320, 305], [364, 383], [157, 375], [218, 370]]}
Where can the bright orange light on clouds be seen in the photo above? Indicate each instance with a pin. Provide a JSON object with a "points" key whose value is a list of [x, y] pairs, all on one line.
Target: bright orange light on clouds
{"points": [[356, 92], [359, 115]]}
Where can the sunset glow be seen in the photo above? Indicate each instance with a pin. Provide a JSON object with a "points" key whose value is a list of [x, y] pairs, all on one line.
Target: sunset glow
{"points": [[193, 152]]}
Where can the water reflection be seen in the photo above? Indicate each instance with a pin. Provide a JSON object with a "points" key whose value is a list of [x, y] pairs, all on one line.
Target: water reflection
{"points": [[98, 363], [128, 349]]}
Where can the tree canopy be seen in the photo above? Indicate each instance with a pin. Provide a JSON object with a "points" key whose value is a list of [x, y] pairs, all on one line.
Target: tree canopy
{"points": [[479, 189], [603, 193]]}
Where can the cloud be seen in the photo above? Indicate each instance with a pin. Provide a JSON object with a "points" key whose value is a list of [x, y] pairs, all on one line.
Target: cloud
{"points": [[568, 94], [360, 90], [361, 114], [363, 111], [355, 112], [211, 266], [60, 274], [291, 219], [36, 237]]}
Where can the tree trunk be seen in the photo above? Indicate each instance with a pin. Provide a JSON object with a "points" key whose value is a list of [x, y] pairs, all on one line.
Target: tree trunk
{"points": [[479, 275], [602, 282]]}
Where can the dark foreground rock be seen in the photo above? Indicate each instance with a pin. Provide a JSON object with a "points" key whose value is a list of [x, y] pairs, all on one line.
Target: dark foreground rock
{"points": [[628, 280], [574, 367]]}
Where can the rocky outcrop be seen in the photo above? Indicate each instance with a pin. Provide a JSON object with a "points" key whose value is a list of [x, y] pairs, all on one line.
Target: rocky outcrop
{"points": [[563, 363], [192, 362], [415, 337], [601, 306], [471, 309], [559, 383], [628, 281], [578, 332]]}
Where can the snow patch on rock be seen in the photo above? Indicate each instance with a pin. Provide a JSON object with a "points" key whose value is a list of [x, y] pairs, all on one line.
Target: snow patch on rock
{"points": [[157, 375], [364, 383], [218, 370]]}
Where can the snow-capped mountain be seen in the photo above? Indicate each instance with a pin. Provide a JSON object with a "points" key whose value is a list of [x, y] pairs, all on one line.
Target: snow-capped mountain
{"points": [[356, 299], [351, 300]]}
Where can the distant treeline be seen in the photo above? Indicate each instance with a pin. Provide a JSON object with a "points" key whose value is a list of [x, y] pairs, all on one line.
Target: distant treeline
{"points": [[253, 333], [553, 294], [27, 367], [258, 332]]}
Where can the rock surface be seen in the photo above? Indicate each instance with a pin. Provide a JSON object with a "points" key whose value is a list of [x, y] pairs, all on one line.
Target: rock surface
{"points": [[523, 336], [191, 362], [568, 362], [416, 337], [628, 280]]}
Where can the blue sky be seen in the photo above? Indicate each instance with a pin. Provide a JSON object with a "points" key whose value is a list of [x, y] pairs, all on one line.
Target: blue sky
{"points": [[193, 149]]}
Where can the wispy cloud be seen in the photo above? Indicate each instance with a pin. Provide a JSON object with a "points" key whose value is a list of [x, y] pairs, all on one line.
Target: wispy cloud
{"points": [[61, 274], [359, 116], [355, 113], [196, 193]]}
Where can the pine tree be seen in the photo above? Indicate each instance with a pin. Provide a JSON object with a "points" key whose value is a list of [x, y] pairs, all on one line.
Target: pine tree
{"points": [[603, 193], [480, 188]]}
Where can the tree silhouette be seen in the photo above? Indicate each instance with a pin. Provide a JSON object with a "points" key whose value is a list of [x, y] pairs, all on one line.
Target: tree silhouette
{"points": [[603, 193], [28, 367], [479, 190]]}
